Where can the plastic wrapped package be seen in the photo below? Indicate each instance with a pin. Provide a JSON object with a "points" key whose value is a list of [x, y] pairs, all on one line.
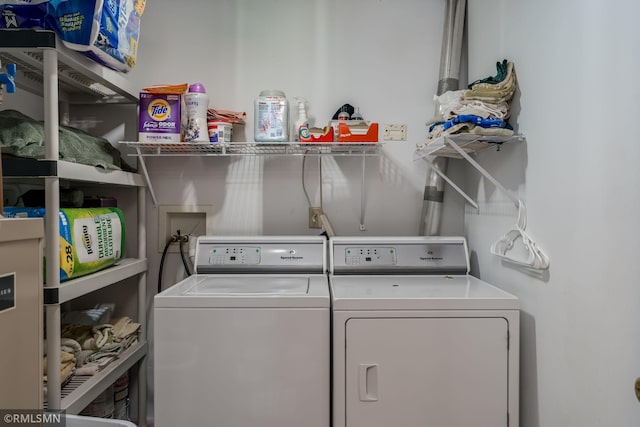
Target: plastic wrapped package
{"points": [[105, 30], [90, 238], [23, 13]]}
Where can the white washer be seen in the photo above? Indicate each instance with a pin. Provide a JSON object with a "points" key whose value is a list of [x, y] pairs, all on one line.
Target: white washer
{"points": [[416, 339], [246, 340]]}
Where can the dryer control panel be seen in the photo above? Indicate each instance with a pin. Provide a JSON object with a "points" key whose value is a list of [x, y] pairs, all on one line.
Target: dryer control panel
{"points": [[399, 255]]}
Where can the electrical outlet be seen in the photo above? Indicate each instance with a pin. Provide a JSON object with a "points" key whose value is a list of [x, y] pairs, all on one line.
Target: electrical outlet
{"points": [[189, 219], [395, 133], [314, 217]]}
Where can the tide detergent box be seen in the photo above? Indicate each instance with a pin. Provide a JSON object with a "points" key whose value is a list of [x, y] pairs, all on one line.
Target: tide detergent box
{"points": [[159, 117]]}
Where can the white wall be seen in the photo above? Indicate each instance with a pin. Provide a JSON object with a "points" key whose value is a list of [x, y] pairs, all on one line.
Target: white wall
{"points": [[577, 66]]}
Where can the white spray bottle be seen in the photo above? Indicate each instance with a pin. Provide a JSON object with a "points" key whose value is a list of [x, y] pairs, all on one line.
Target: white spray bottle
{"points": [[302, 120]]}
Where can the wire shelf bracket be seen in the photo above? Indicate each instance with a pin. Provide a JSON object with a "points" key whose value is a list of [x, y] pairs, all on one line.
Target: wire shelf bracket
{"points": [[447, 145]]}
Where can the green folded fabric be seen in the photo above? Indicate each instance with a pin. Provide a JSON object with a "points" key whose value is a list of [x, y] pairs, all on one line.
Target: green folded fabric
{"points": [[22, 136], [500, 75]]}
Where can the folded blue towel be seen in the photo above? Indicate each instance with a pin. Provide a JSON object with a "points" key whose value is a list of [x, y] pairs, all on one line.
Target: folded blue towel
{"points": [[478, 121]]}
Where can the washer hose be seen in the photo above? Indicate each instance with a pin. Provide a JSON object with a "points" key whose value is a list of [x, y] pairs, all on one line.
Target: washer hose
{"points": [[183, 239], [164, 253]]}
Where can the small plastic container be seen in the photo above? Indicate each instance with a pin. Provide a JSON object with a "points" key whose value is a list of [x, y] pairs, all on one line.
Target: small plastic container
{"points": [[271, 121], [219, 131]]}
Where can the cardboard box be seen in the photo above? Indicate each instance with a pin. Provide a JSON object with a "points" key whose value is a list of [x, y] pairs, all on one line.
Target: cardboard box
{"points": [[159, 117], [362, 132]]}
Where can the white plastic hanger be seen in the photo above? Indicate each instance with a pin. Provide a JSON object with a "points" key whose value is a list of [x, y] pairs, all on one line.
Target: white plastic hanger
{"points": [[536, 259]]}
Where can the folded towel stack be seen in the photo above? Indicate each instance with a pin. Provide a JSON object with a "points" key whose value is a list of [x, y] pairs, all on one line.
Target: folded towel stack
{"points": [[67, 366], [493, 90], [483, 109], [88, 349]]}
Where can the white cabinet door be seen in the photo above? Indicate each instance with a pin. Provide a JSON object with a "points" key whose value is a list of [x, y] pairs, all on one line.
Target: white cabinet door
{"points": [[427, 372]]}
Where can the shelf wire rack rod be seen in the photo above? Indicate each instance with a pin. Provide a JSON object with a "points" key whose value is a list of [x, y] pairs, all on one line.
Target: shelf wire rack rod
{"points": [[143, 166], [451, 183], [362, 192], [480, 169]]}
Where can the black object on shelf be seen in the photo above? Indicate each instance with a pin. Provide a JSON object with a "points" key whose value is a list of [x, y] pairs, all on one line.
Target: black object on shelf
{"points": [[27, 38], [100, 202], [347, 108], [20, 166], [69, 198]]}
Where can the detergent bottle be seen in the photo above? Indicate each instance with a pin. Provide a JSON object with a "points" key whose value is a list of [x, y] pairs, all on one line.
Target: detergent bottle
{"points": [[197, 104], [271, 121]]}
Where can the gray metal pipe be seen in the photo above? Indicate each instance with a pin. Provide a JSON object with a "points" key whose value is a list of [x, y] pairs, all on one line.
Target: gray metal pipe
{"points": [[447, 44], [450, 56]]}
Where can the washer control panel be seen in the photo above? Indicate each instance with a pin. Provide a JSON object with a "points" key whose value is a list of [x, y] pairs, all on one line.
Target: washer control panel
{"points": [[234, 255], [260, 254], [374, 255]]}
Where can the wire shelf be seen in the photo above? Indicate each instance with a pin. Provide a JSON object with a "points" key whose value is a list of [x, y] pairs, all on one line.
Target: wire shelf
{"points": [[252, 149], [470, 143]]}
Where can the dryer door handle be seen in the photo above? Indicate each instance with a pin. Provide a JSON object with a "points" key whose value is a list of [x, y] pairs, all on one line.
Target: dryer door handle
{"points": [[368, 382]]}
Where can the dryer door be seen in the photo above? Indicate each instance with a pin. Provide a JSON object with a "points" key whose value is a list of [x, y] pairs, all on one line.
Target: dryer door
{"points": [[445, 372]]}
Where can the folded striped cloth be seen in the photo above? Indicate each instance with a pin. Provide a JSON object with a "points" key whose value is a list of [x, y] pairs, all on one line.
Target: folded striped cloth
{"points": [[495, 93], [227, 115]]}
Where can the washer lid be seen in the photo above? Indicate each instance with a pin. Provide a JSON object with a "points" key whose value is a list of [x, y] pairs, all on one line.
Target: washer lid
{"points": [[248, 286], [417, 293], [205, 290]]}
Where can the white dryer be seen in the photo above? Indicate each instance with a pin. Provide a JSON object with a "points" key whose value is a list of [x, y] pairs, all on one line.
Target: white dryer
{"points": [[246, 340], [417, 341]]}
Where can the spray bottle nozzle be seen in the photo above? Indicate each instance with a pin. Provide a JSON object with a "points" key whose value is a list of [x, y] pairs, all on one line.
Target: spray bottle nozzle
{"points": [[302, 112]]}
